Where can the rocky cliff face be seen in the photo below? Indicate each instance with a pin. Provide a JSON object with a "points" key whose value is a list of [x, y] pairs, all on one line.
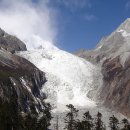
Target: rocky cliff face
{"points": [[11, 43], [116, 88], [19, 77], [113, 56]]}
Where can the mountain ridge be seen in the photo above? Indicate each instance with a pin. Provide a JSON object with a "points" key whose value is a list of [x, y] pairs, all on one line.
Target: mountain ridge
{"points": [[19, 76], [113, 56]]}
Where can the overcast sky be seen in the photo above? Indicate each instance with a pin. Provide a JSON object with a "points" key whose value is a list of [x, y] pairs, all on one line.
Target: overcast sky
{"points": [[69, 24]]}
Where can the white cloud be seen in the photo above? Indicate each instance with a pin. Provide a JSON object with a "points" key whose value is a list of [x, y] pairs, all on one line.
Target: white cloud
{"points": [[25, 19], [90, 17], [127, 5], [73, 5]]}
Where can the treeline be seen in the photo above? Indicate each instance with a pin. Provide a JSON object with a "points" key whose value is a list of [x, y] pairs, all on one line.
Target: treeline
{"points": [[90, 123], [11, 118]]}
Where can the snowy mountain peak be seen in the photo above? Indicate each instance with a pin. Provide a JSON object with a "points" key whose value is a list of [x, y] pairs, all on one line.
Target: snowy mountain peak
{"points": [[116, 44], [125, 26], [118, 41]]}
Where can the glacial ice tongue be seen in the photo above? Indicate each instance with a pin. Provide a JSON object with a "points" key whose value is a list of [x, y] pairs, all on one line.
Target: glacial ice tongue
{"points": [[70, 79]]}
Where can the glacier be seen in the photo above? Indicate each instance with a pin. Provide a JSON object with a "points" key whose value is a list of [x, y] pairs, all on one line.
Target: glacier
{"points": [[70, 80]]}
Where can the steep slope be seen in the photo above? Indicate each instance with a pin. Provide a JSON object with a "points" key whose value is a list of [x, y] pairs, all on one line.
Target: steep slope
{"points": [[113, 55], [11, 43], [116, 44], [19, 78], [116, 87], [70, 79]]}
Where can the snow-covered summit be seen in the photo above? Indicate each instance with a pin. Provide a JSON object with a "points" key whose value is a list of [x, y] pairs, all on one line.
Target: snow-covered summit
{"points": [[124, 28], [116, 44], [125, 25]]}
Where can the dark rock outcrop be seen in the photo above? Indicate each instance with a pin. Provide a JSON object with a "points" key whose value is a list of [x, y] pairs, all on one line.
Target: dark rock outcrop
{"points": [[116, 90], [11, 43], [112, 54], [19, 76]]}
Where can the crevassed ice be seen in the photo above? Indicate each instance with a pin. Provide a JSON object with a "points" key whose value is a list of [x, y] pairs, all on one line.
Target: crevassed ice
{"points": [[69, 78]]}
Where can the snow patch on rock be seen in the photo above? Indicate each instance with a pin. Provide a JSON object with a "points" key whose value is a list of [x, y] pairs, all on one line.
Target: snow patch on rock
{"points": [[124, 57], [124, 33]]}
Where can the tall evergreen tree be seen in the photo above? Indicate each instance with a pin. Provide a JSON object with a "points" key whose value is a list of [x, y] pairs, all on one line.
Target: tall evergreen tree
{"points": [[113, 124], [70, 119], [87, 121], [12, 119], [126, 125], [30, 122], [9, 114], [56, 126], [44, 121], [79, 125], [98, 122]]}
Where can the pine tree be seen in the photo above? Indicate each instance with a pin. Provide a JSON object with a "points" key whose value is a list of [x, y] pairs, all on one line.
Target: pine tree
{"points": [[79, 125], [98, 122], [113, 124], [44, 121], [87, 121], [3, 108], [56, 126], [9, 114], [30, 121], [70, 117], [21, 121], [126, 124], [14, 113]]}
